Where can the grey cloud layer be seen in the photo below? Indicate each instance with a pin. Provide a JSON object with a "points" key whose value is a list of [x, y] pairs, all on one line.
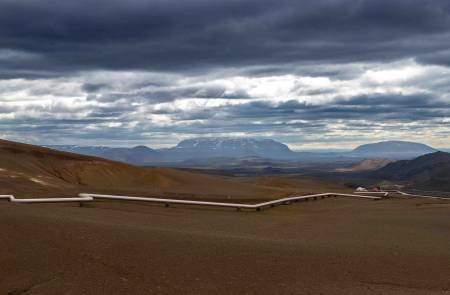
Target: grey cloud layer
{"points": [[155, 71], [376, 108], [51, 35]]}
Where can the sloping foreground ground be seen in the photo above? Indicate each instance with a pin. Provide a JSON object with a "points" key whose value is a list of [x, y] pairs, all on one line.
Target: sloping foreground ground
{"points": [[331, 246]]}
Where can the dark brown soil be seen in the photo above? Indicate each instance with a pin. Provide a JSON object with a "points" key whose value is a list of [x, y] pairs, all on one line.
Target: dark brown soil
{"points": [[330, 246]]}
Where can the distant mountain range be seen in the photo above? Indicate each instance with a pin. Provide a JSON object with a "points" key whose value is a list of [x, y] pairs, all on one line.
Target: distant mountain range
{"points": [[190, 149], [430, 171], [225, 148], [137, 155]]}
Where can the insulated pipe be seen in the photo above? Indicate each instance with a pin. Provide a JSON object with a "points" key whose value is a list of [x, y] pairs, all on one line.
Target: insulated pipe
{"points": [[85, 197], [12, 199], [384, 194], [91, 197], [167, 201], [421, 196], [220, 204]]}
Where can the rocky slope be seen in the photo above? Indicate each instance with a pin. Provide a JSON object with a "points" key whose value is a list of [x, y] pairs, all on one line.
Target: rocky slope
{"points": [[430, 171]]}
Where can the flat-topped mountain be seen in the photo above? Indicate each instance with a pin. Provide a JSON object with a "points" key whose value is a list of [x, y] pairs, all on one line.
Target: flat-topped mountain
{"points": [[230, 147], [393, 149]]}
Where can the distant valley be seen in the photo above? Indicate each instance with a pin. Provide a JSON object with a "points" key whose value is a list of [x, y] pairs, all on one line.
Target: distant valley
{"points": [[32, 169], [407, 164]]}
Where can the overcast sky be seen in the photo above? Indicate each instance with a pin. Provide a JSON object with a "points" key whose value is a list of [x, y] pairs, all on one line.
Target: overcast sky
{"points": [[312, 74]]}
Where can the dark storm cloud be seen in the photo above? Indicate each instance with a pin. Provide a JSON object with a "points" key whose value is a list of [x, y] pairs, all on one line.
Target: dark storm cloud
{"points": [[208, 91], [100, 92], [94, 87], [169, 35], [437, 58]]}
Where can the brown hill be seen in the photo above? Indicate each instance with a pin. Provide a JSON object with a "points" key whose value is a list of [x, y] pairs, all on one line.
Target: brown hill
{"points": [[28, 170], [430, 171]]}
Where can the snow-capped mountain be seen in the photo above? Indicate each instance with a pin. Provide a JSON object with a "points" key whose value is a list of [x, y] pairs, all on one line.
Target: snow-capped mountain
{"points": [[230, 147]]}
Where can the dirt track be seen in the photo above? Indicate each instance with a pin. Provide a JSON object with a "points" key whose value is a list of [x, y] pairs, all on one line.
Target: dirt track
{"points": [[331, 246]]}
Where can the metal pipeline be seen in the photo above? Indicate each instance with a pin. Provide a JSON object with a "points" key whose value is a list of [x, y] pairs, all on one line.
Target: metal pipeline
{"points": [[87, 197]]}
